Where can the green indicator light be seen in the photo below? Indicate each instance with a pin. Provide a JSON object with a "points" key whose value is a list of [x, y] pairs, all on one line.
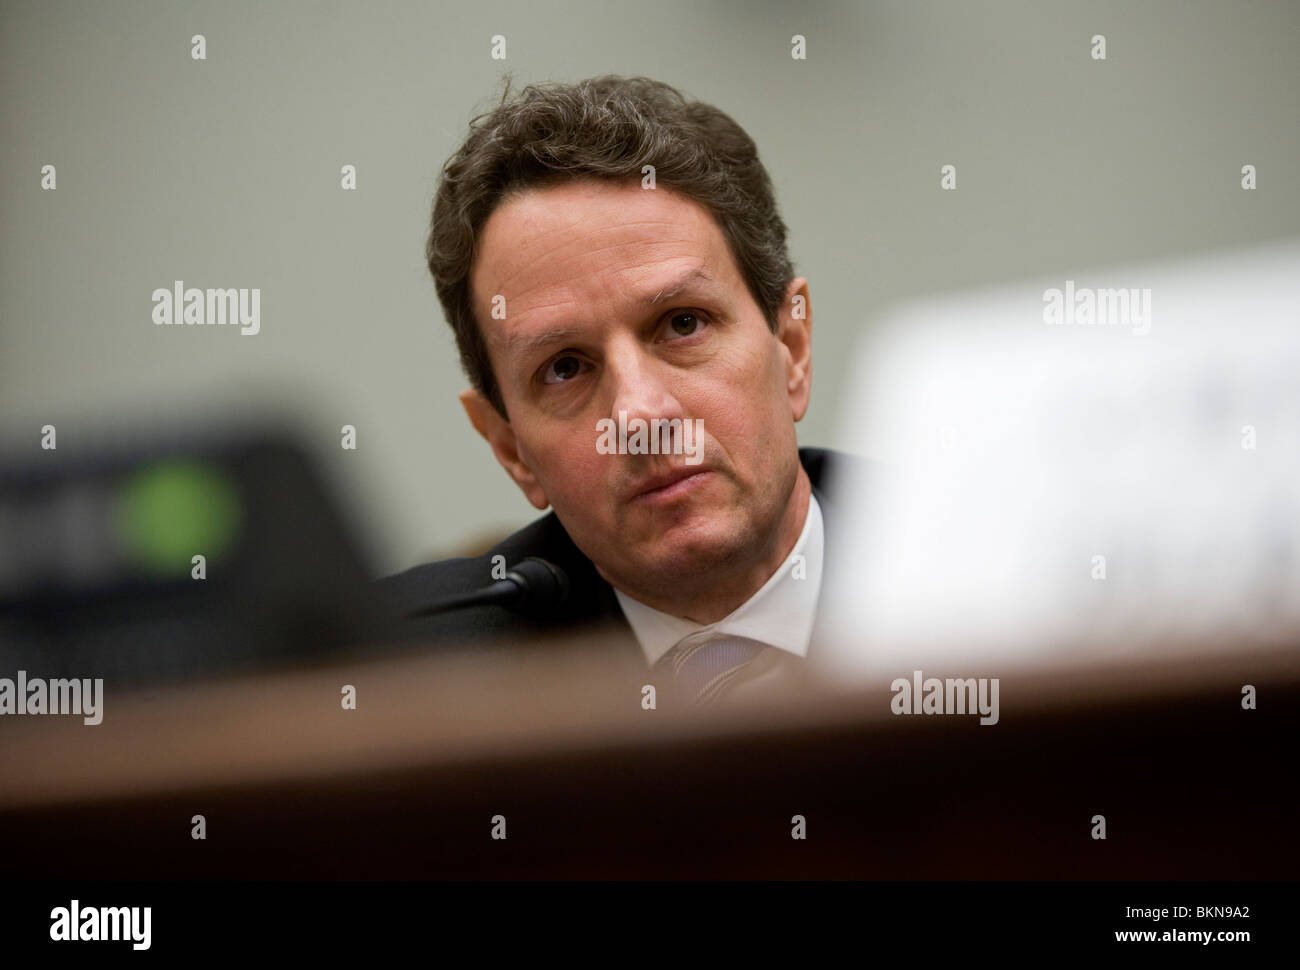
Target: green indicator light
{"points": [[170, 511]]}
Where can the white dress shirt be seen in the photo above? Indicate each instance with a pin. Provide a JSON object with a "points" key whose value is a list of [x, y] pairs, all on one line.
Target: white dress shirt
{"points": [[780, 614]]}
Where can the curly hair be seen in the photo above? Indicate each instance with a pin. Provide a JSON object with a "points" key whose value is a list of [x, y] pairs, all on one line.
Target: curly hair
{"points": [[606, 128]]}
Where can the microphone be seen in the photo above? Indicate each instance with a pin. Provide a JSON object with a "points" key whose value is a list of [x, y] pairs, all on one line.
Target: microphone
{"points": [[532, 587]]}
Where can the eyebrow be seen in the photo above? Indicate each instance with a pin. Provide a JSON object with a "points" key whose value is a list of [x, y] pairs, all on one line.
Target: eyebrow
{"points": [[527, 344], [696, 275]]}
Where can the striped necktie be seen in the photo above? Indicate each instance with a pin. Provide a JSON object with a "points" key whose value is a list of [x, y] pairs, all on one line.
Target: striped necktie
{"points": [[703, 670]]}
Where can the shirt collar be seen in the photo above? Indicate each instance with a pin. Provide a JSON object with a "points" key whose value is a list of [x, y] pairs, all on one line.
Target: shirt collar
{"points": [[780, 614]]}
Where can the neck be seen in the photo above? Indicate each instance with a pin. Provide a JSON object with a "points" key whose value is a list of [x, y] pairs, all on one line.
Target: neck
{"points": [[730, 591]]}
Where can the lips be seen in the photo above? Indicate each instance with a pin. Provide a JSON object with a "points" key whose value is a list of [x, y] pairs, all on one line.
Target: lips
{"points": [[663, 483]]}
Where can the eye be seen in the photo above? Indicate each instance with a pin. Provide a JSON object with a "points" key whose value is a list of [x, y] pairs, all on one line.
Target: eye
{"points": [[561, 369], [685, 323]]}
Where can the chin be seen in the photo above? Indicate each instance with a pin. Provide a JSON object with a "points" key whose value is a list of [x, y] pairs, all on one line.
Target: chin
{"points": [[686, 551]]}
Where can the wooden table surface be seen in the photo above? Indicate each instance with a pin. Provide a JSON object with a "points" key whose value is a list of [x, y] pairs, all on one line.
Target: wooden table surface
{"points": [[555, 739]]}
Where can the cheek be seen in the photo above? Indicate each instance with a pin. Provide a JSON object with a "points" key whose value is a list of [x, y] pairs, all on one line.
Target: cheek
{"points": [[748, 398], [570, 469]]}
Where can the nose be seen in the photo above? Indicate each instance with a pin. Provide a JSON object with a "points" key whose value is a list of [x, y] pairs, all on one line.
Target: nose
{"points": [[640, 384]]}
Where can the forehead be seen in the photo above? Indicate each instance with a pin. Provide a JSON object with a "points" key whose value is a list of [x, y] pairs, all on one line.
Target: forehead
{"points": [[588, 248]]}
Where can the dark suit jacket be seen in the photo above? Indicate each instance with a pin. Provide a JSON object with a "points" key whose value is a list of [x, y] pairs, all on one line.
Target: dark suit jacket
{"points": [[591, 606]]}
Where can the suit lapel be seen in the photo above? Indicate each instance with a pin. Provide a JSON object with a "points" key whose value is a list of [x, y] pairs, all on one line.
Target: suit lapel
{"points": [[828, 516]]}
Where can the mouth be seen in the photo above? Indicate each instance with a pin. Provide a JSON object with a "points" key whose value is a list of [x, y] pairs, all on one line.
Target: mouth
{"points": [[671, 485]]}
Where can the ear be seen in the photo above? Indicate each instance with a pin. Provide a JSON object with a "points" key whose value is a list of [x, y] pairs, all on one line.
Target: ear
{"points": [[488, 422], [794, 331]]}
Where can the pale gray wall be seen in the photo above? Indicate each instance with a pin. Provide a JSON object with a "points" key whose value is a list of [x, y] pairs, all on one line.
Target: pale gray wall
{"points": [[225, 173]]}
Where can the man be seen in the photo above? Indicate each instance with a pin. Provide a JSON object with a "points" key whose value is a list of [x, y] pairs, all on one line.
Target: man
{"points": [[610, 255]]}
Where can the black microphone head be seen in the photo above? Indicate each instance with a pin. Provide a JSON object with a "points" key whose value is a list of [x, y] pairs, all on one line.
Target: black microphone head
{"points": [[543, 586]]}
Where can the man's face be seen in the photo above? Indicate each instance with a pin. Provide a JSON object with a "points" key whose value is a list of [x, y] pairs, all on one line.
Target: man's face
{"points": [[622, 299]]}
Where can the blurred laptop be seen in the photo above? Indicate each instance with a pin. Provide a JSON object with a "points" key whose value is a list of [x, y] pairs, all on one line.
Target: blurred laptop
{"points": [[158, 555]]}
